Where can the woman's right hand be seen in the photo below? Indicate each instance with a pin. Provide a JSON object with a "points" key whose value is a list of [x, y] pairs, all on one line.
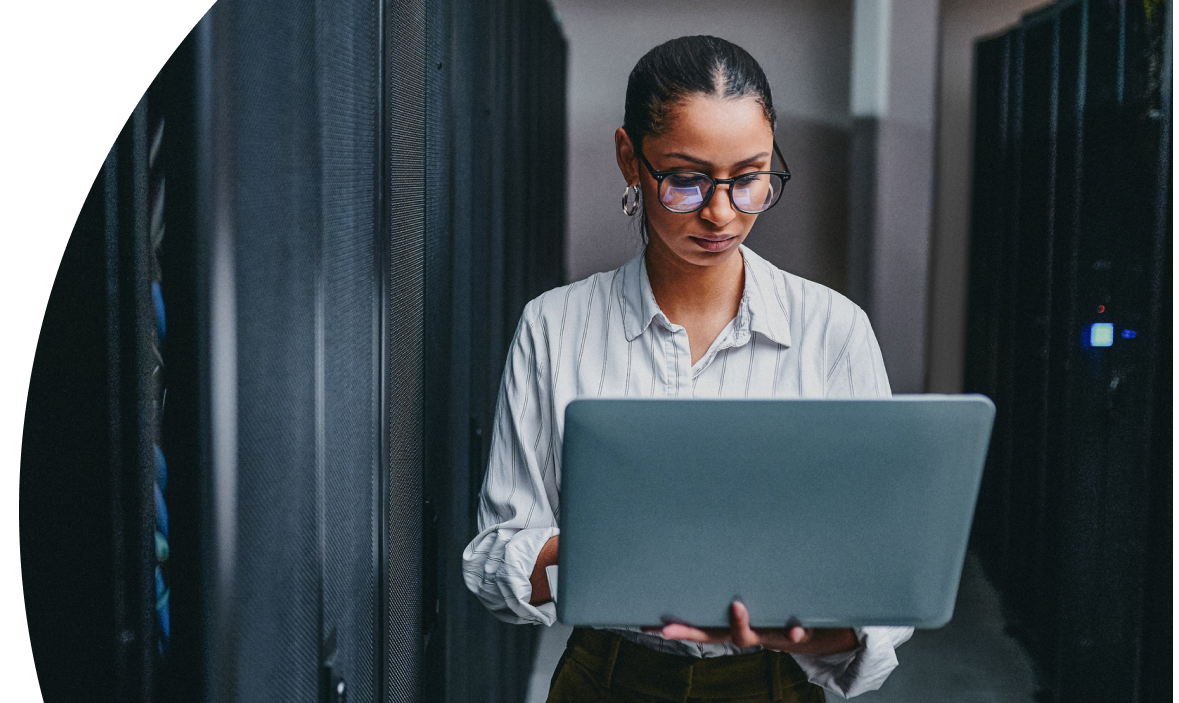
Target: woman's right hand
{"points": [[540, 578]]}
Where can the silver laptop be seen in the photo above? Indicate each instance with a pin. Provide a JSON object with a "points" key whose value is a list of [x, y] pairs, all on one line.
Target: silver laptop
{"points": [[826, 512]]}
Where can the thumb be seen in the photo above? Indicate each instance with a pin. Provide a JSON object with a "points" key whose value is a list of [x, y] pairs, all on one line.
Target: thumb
{"points": [[742, 634]]}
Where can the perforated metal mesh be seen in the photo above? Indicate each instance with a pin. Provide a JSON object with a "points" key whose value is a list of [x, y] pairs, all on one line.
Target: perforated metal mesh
{"points": [[349, 63], [273, 138], [334, 356], [405, 76]]}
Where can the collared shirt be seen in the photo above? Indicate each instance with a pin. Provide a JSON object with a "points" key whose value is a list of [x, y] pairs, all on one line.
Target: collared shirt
{"points": [[605, 336]]}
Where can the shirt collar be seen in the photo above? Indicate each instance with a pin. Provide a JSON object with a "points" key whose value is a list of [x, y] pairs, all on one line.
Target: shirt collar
{"points": [[762, 309], [765, 297]]}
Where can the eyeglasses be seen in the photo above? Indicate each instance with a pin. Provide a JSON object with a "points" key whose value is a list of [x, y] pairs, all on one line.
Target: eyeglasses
{"points": [[682, 192]]}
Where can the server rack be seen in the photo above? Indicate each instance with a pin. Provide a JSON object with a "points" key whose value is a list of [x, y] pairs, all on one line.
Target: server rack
{"points": [[495, 239], [87, 463], [1069, 332], [337, 319]]}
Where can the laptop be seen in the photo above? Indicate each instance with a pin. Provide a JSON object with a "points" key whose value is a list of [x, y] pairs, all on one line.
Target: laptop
{"points": [[828, 513]]}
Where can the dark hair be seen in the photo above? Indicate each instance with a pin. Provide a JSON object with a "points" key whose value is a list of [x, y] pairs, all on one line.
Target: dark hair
{"points": [[682, 67]]}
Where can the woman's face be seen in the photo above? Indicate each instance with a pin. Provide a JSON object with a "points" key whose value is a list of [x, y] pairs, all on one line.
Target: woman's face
{"points": [[720, 137]]}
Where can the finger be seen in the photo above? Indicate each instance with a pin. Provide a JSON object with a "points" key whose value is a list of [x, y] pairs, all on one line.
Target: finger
{"points": [[693, 634], [741, 633], [799, 634]]}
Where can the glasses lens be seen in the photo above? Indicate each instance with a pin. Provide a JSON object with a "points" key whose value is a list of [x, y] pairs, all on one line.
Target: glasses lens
{"points": [[684, 191], [757, 192]]}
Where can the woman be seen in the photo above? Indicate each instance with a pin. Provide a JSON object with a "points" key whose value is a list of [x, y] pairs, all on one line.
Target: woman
{"points": [[697, 314]]}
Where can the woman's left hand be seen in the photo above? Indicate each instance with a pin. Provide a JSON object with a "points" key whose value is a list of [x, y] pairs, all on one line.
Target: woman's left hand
{"points": [[795, 639]]}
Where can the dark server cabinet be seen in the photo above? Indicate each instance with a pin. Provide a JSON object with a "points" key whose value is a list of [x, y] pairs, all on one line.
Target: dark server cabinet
{"points": [[254, 435], [1069, 332], [495, 216], [301, 564], [87, 504]]}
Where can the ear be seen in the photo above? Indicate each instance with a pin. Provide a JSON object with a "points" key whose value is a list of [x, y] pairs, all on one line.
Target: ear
{"points": [[628, 161]]}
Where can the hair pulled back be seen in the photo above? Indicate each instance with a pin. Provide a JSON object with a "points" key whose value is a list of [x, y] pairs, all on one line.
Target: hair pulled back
{"points": [[682, 67]]}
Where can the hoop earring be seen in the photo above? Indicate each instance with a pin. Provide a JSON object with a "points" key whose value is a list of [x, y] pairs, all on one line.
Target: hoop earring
{"points": [[630, 210]]}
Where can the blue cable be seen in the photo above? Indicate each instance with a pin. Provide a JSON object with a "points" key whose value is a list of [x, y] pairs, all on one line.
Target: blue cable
{"points": [[157, 297], [161, 469], [163, 615], [161, 511]]}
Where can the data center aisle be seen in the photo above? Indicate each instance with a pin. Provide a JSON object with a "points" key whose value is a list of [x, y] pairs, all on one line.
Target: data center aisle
{"points": [[971, 660]]}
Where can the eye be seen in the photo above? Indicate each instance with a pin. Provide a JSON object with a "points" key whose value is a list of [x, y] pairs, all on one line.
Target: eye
{"points": [[686, 180]]}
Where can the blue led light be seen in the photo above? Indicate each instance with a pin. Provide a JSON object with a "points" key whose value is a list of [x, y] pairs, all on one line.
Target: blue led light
{"points": [[1129, 334], [1101, 334]]}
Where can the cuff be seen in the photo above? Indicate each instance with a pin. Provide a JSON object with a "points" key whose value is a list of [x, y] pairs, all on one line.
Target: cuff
{"points": [[512, 577], [860, 670], [550, 572]]}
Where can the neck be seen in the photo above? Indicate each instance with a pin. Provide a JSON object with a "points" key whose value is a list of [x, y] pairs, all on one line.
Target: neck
{"points": [[685, 290]]}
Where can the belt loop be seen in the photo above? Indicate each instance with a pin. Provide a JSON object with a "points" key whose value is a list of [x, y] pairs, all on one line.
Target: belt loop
{"points": [[608, 668], [775, 670], [688, 688]]}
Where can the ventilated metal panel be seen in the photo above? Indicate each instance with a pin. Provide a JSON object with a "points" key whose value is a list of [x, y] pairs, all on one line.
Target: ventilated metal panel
{"points": [[276, 229], [406, 143], [437, 346], [349, 93], [495, 121]]}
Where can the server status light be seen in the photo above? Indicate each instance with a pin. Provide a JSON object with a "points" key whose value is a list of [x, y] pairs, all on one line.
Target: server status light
{"points": [[1101, 334]]}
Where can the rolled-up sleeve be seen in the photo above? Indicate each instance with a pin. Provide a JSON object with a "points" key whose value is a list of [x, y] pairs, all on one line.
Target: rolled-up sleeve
{"points": [[862, 669], [515, 516], [856, 371]]}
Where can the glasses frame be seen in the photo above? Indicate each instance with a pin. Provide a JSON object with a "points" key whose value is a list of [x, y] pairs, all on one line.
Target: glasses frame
{"points": [[784, 174]]}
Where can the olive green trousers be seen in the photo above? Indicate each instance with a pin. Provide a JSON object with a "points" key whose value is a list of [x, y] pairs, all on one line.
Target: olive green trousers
{"points": [[600, 666]]}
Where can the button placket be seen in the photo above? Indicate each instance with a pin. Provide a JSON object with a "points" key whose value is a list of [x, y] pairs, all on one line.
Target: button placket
{"points": [[684, 380]]}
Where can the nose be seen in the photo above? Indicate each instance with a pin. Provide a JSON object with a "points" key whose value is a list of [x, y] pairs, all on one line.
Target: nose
{"points": [[719, 209]]}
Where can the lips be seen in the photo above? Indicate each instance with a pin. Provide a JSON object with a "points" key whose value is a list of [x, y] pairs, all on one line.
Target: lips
{"points": [[714, 243]]}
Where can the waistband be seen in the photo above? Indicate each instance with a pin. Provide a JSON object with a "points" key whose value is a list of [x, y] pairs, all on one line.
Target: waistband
{"points": [[620, 664]]}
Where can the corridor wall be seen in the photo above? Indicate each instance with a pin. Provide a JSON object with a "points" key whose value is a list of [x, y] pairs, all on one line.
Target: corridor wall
{"points": [[1070, 333]]}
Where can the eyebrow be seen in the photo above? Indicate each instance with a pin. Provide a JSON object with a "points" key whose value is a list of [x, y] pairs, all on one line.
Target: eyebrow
{"points": [[701, 162]]}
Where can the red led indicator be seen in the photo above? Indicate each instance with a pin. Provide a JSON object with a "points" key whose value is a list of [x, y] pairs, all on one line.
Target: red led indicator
{"points": [[1100, 309]]}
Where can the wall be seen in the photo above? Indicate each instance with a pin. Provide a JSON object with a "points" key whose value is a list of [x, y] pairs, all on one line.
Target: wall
{"points": [[804, 47], [894, 54], [962, 21]]}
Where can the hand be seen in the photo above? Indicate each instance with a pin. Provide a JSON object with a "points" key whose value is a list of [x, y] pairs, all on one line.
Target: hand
{"points": [[793, 638]]}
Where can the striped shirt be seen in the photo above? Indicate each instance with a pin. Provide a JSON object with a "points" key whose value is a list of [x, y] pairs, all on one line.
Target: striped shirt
{"points": [[605, 336]]}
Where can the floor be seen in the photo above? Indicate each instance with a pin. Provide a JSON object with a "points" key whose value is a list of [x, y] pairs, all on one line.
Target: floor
{"points": [[969, 660]]}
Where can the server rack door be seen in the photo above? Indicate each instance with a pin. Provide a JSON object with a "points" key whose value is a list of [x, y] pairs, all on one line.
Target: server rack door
{"points": [[289, 128], [265, 195], [986, 260], [88, 506], [349, 305], [495, 214], [1070, 516], [1028, 553], [405, 143]]}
